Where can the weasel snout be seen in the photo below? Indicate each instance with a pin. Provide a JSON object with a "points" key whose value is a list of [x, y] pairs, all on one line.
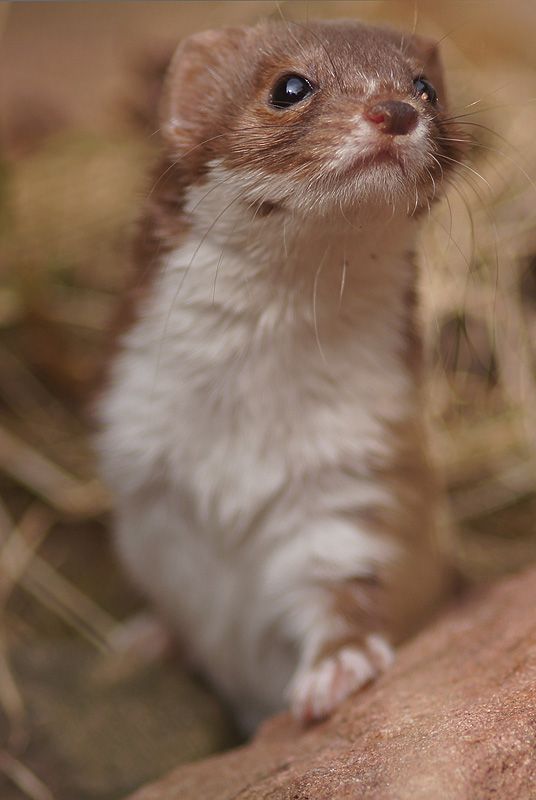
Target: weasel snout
{"points": [[393, 117]]}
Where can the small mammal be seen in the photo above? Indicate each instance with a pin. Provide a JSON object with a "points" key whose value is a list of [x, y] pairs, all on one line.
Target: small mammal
{"points": [[263, 425]]}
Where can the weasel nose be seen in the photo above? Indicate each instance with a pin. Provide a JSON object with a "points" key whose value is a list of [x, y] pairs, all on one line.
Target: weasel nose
{"points": [[393, 116]]}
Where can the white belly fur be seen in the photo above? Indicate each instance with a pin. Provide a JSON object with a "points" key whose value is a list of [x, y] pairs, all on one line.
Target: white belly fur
{"points": [[229, 427]]}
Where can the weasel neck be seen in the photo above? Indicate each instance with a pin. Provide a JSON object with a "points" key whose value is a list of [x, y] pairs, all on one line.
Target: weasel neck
{"points": [[242, 255]]}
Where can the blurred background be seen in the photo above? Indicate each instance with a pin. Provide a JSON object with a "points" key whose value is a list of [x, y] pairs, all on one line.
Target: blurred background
{"points": [[79, 85]]}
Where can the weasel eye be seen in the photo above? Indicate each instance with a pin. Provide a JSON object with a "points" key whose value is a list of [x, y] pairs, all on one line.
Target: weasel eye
{"points": [[289, 90], [425, 90]]}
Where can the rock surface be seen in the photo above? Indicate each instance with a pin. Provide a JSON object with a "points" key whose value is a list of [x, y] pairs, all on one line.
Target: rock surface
{"points": [[455, 719]]}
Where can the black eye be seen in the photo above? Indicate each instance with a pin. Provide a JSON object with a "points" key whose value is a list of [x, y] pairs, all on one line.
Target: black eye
{"points": [[425, 90], [289, 90]]}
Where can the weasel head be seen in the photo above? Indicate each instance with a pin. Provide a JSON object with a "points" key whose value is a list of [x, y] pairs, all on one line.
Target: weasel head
{"points": [[318, 118]]}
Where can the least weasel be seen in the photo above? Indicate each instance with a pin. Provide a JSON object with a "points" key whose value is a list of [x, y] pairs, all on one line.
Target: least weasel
{"points": [[263, 425]]}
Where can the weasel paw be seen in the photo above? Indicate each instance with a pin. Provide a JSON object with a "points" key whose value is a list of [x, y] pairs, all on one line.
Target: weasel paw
{"points": [[318, 690]]}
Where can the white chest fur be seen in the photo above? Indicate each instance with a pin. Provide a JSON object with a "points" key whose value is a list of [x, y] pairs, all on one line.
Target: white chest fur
{"points": [[248, 401]]}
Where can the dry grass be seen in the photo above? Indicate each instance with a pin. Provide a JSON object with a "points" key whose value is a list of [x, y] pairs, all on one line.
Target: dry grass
{"points": [[68, 195]]}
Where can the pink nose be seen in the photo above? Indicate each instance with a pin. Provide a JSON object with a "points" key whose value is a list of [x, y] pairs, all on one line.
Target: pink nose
{"points": [[393, 117]]}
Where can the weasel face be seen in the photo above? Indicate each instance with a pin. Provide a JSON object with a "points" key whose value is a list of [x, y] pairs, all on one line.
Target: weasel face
{"points": [[318, 117]]}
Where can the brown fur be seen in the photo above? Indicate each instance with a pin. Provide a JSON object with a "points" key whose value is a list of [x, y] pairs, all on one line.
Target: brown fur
{"points": [[396, 600], [215, 106], [219, 83], [158, 232]]}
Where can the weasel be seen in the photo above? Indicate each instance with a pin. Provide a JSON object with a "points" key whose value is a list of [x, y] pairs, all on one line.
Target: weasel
{"points": [[263, 424]]}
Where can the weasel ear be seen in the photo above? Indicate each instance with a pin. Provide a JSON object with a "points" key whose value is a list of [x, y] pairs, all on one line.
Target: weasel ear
{"points": [[428, 61], [198, 84]]}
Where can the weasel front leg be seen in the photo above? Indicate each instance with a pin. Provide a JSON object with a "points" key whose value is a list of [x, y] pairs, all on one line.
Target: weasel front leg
{"points": [[339, 667], [332, 579], [349, 624]]}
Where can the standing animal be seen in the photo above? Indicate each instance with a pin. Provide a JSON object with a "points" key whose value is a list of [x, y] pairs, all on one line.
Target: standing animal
{"points": [[263, 426]]}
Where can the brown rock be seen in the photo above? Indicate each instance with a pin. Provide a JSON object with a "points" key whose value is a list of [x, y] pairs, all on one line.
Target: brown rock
{"points": [[455, 719]]}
